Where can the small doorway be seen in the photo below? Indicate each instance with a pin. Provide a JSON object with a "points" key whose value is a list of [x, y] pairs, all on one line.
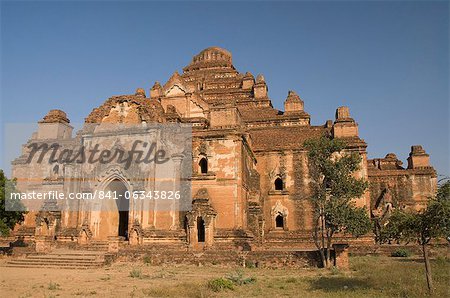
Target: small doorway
{"points": [[123, 224], [203, 164], [118, 190], [200, 229]]}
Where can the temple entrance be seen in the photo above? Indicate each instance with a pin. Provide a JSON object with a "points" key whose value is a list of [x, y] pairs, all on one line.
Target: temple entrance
{"points": [[118, 190], [200, 229], [123, 224]]}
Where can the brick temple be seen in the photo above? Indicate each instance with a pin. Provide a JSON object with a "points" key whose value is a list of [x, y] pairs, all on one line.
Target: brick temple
{"points": [[249, 184]]}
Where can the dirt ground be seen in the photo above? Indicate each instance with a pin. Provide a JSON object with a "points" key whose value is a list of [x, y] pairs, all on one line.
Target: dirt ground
{"points": [[368, 277]]}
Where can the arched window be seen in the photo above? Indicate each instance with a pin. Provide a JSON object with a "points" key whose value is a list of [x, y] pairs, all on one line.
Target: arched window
{"points": [[279, 221], [203, 164], [278, 184], [200, 229]]}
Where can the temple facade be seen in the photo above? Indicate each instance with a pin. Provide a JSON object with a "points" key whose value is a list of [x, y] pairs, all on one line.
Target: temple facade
{"points": [[250, 178]]}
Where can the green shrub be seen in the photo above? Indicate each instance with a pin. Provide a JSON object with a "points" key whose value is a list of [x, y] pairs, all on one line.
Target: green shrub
{"points": [[291, 280], [164, 274], [441, 260], [249, 264], [53, 286], [334, 270], [136, 273], [220, 284], [238, 278], [147, 259], [400, 253]]}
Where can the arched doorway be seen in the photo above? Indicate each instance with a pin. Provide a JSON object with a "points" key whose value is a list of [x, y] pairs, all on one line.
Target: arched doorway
{"points": [[200, 229], [118, 189]]}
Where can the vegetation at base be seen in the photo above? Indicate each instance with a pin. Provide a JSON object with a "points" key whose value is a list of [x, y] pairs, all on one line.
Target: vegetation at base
{"points": [[228, 282], [334, 190], [249, 264], [8, 219], [220, 284], [147, 259], [335, 271], [369, 276], [53, 286], [430, 223], [237, 277], [401, 253], [136, 273]]}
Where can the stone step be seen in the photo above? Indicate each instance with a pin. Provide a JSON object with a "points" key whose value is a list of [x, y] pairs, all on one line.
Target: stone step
{"points": [[94, 248], [70, 259], [72, 252], [53, 264], [63, 259], [57, 264], [68, 256], [58, 260], [50, 266]]}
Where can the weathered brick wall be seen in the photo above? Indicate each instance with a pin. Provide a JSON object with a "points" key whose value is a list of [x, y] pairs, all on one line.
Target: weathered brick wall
{"points": [[407, 187], [263, 259]]}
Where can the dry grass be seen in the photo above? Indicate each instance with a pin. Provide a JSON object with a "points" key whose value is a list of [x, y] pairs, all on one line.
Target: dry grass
{"points": [[368, 277]]}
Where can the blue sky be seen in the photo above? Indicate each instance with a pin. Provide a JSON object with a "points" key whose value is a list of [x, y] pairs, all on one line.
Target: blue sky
{"points": [[388, 61]]}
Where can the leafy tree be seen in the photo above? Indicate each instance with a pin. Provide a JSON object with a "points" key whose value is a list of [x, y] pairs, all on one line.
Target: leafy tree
{"points": [[334, 189], [8, 219], [430, 223]]}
